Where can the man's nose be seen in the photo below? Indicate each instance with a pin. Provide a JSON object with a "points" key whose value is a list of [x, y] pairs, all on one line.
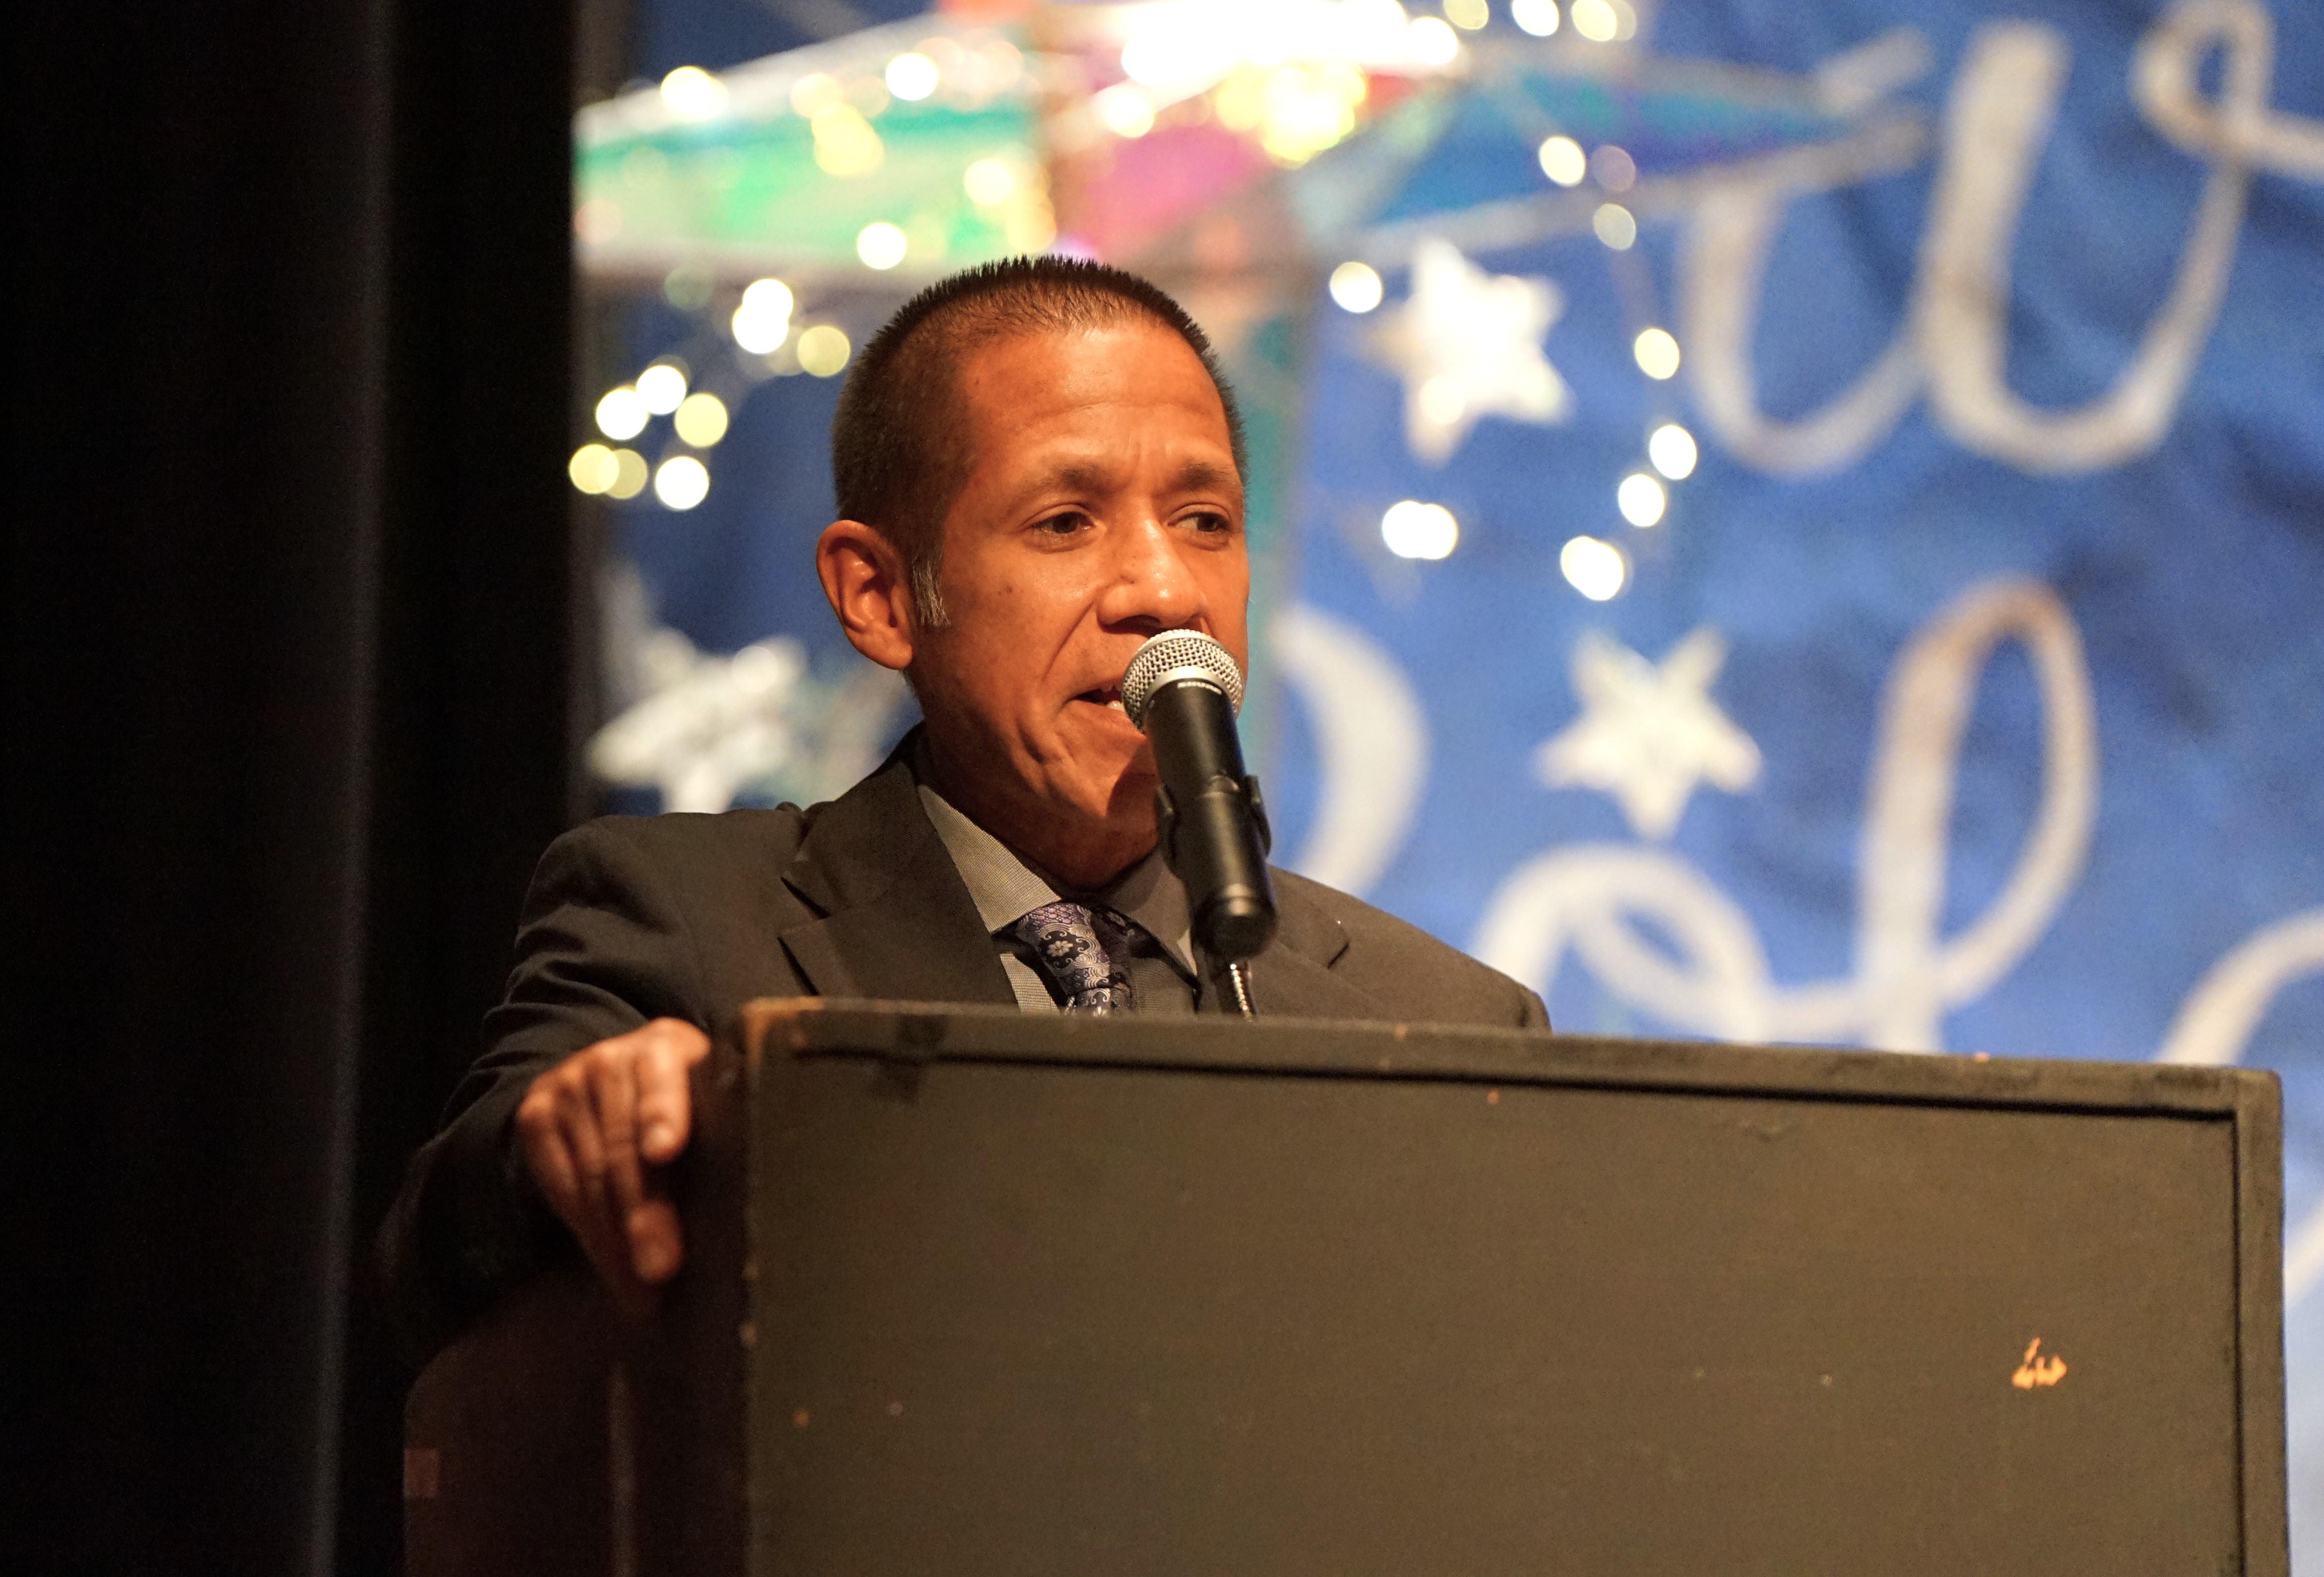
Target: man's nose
{"points": [[1153, 588]]}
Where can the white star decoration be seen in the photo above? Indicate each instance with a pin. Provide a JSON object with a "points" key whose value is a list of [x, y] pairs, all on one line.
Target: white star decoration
{"points": [[1649, 732], [708, 725], [1467, 344]]}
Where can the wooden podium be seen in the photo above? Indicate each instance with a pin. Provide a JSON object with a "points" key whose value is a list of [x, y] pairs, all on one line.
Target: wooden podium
{"points": [[974, 1292]]}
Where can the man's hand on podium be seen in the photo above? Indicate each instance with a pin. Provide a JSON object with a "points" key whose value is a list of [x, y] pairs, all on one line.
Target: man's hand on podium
{"points": [[597, 1131]]}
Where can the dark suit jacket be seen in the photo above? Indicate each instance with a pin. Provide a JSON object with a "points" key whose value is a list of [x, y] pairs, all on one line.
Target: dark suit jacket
{"points": [[689, 916]]}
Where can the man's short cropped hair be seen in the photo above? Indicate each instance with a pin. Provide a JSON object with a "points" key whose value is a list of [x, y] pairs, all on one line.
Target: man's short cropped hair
{"points": [[899, 451]]}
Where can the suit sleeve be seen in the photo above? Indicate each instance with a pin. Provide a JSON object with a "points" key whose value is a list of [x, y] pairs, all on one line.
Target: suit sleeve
{"points": [[601, 949]]}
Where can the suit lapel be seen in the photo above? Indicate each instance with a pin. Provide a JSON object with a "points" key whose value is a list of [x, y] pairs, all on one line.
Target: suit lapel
{"points": [[1294, 979], [898, 923]]}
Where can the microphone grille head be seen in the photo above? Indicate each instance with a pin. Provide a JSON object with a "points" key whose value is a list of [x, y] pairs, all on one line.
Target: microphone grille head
{"points": [[1175, 654]]}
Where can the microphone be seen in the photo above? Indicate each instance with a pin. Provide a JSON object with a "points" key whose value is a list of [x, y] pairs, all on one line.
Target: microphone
{"points": [[1182, 691]]}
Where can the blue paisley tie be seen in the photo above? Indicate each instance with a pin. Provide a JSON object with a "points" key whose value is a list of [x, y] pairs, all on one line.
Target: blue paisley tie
{"points": [[1085, 952]]}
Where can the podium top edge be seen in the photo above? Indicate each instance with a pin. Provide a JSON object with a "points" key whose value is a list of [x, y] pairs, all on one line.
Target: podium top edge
{"points": [[926, 1033]]}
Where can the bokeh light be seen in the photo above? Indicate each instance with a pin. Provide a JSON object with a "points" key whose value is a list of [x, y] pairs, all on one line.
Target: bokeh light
{"points": [[1595, 569], [1124, 110], [700, 419], [681, 482], [1671, 448], [1615, 226], [660, 388], [629, 474], [621, 414], [1563, 160], [693, 93], [911, 77], [1604, 22], [1537, 17], [593, 469], [1469, 15], [1413, 529], [1304, 110], [989, 182], [880, 244], [762, 320], [1356, 287], [823, 349], [1656, 353], [1641, 500], [1616, 170]]}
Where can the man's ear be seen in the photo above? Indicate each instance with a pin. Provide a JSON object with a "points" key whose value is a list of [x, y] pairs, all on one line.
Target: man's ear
{"points": [[865, 580]]}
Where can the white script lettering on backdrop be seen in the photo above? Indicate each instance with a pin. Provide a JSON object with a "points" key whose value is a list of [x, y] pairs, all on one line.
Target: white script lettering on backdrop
{"points": [[1998, 120], [1588, 900]]}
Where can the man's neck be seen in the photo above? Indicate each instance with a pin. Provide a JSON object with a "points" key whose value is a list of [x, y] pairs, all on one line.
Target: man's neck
{"points": [[1059, 844]]}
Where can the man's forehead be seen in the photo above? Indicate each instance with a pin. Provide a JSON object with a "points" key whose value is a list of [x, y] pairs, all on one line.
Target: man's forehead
{"points": [[1089, 403], [1053, 371]]}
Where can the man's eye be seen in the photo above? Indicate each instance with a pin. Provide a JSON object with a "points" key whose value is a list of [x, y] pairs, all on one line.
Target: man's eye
{"points": [[1211, 523], [1065, 524]]}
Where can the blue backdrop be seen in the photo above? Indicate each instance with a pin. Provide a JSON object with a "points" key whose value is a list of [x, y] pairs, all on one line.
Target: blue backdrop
{"points": [[1966, 697]]}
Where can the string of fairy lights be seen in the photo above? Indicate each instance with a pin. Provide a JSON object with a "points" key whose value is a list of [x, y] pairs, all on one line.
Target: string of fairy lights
{"points": [[1595, 566], [760, 328], [763, 334]]}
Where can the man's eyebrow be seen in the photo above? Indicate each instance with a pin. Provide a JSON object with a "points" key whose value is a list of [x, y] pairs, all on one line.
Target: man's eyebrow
{"points": [[1094, 476], [1204, 475], [1071, 476]]}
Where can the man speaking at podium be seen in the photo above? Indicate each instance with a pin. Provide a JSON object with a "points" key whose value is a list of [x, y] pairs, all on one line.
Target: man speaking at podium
{"points": [[1038, 467]]}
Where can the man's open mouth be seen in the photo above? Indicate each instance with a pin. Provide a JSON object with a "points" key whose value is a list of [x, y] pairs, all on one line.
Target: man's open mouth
{"points": [[1104, 695]]}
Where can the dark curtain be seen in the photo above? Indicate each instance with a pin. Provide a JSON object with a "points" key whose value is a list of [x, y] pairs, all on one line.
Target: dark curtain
{"points": [[292, 697]]}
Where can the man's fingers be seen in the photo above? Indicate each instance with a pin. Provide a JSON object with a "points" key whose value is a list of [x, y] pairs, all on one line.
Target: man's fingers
{"points": [[664, 1118], [561, 1151], [597, 1216], [602, 1222], [647, 1237], [665, 1103], [612, 1084], [548, 1154], [656, 1246], [595, 1131]]}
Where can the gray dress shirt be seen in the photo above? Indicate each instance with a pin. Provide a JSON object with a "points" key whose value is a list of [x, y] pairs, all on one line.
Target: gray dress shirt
{"points": [[1161, 971]]}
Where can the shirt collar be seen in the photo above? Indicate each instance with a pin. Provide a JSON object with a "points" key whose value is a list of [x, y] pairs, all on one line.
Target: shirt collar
{"points": [[1004, 889]]}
